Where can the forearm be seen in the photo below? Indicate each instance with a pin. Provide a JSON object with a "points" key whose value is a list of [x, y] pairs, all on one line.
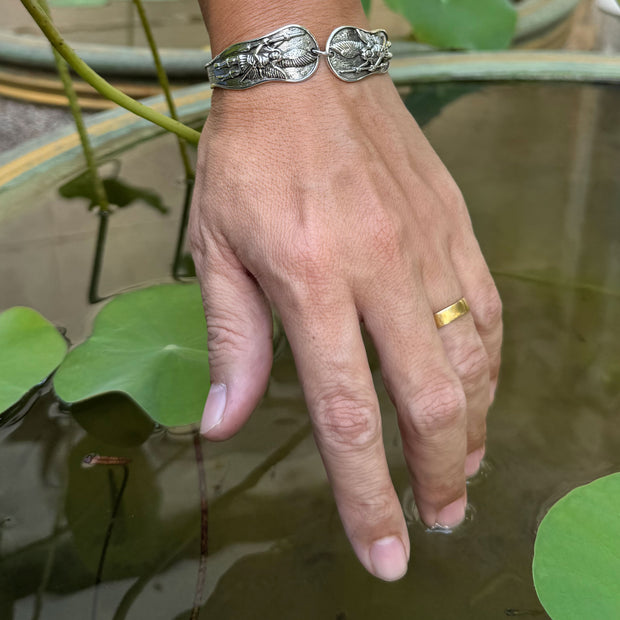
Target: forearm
{"points": [[230, 21]]}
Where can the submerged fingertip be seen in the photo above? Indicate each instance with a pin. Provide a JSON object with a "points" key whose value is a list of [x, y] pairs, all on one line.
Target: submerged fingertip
{"points": [[453, 514]]}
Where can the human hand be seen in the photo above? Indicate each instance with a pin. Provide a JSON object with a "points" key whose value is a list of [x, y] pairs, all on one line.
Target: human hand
{"points": [[325, 200]]}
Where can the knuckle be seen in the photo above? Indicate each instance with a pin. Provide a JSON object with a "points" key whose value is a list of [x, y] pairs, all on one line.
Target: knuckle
{"points": [[450, 192], [375, 509], [471, 364], [306, 259], [386, 237], [437, 407], [489, 309], [223, 339], [347, 421]]}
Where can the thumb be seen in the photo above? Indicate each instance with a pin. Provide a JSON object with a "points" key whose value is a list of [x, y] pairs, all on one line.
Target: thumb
{"points": [[239, 327]]}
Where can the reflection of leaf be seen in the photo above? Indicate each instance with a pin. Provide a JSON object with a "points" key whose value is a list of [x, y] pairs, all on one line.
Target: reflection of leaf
{"points": [[150, 344], [119, 192], [460, 24], [30, 349], [425, 102], [577, 553], [113, 418]]}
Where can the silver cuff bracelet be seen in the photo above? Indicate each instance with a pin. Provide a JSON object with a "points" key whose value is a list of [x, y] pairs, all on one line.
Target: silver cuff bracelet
{"points": [[291, 54]]}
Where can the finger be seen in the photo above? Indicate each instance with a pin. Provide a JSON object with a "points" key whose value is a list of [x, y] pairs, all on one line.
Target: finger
{"points": [[425, 389], [326, 341], [483, 299], [468, 357], [239, 327]]}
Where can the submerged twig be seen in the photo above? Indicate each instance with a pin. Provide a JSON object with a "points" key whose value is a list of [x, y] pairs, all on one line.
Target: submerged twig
{"points": [[178, 252], [204, 529], [47, 568], [91, 460], [95, 274], [247, 483]]}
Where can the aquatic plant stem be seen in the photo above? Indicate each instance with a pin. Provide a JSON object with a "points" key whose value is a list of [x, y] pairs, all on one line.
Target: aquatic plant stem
{"points": [[204, 529], [108, 533], [178, 252], [163, 82], [49, 562], [102, 234], [99, 84], [230, 495], [78, 119]]}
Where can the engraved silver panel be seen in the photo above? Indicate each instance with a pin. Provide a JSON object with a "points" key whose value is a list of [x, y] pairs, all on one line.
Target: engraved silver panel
{"points": [[355, 53], [288, 54]]}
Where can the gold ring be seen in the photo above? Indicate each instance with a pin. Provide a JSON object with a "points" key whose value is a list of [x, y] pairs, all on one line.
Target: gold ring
{"points": [[451, 313]]}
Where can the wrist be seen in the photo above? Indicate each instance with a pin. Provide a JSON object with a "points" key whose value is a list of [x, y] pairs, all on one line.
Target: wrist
{"points": [[232, 21]]}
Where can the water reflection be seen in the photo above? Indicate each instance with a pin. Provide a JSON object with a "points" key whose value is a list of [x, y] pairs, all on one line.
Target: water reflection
{"points": [[538, 166]]}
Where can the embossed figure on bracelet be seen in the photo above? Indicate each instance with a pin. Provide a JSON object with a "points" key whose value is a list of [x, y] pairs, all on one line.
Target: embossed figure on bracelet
{"points": [[292, 54]]}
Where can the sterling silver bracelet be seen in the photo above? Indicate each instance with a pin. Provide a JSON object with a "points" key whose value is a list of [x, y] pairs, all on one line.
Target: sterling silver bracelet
{"points": [[292, 54]]}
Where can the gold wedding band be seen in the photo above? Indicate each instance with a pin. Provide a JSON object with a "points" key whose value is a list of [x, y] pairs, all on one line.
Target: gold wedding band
{"points": [[451, 313]]}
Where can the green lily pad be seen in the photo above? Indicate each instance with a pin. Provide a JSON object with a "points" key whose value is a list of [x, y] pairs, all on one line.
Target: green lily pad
{"points": [[577, 553], [460, 24], [150, 344], [30, 349]]}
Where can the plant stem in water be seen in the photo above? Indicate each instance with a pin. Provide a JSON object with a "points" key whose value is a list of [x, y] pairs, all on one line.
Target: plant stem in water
{"points": [[108, 534], [102, 234], [163, 82], [204, 529], [99, 84]]}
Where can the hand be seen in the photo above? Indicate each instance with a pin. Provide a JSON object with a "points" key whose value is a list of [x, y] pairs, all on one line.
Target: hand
{"points": [[325, 200]]}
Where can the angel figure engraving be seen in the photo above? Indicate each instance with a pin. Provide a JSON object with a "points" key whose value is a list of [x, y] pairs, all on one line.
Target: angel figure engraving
{"points": [[264, 59], [372, 47]]}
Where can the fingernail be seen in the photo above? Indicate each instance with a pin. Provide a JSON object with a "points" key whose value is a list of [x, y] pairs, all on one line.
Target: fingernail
{"points": [[214, 408], [472, 462], [452, 514], [388, 558]]}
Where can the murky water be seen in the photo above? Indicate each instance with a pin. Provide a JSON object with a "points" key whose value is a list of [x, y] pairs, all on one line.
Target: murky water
{"points": [[539, 168]]}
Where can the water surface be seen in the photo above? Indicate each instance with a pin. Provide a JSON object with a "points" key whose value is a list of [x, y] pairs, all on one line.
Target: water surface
{"points": [[538, 165]]}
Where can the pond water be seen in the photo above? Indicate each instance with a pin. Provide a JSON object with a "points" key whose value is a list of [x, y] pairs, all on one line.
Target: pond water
{"points": [[538, 165]]}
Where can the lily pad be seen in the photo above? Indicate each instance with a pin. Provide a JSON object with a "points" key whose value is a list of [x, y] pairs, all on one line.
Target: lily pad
{"points": [[577, 553], [460, 24], [150, 344], [30, 349]]}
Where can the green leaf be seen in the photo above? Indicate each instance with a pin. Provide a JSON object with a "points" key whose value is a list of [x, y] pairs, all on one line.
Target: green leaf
{"points": [[577, 553], [150, 344], [30, 349], [460, 24], [366, 6]]}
